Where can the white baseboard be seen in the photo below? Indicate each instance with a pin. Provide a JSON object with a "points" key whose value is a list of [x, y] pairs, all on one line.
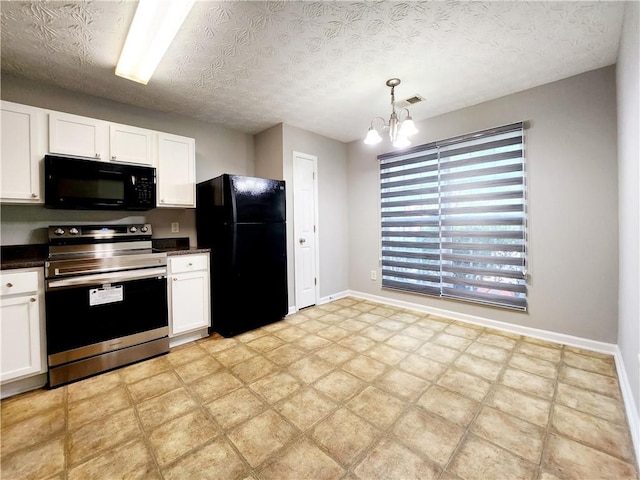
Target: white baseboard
{"points": [[333, 297], [629, 403], [188, 337], [554, 337], [329, 298], [20, 386], [585, 343]]}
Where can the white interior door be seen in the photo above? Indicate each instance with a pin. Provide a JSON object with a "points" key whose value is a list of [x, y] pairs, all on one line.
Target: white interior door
{"points": [[305, 228]]}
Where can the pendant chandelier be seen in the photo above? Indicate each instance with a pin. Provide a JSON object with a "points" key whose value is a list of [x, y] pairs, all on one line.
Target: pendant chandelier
{"points": [[399, 130]]}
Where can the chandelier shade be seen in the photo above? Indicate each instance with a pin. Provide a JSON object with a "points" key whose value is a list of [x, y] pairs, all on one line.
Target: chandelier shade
{"points": [[399, 130]]}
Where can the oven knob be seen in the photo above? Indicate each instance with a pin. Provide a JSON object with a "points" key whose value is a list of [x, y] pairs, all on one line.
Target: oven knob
{"points": [[144, 229], [74, 231], [133, 229], [58, 231]]}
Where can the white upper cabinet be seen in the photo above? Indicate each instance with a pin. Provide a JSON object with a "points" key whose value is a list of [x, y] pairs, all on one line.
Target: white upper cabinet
{"points": [[29, 133], [81, 136], [23, 147], [176, 171], [131, 144]]}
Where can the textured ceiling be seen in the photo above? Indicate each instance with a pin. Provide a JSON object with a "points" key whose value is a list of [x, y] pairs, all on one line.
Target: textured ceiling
{"points": [[320, 66]]}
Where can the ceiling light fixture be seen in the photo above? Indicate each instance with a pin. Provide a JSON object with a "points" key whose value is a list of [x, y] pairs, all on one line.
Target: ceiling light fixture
{"points": [[154, 26], [398, 130]]}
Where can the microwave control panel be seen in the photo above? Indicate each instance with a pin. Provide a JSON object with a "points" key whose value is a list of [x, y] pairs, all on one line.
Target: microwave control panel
{"points": [[144, 188]]}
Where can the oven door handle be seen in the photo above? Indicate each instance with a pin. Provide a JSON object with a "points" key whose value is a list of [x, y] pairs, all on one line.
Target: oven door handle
{"points": [[100, 279]]}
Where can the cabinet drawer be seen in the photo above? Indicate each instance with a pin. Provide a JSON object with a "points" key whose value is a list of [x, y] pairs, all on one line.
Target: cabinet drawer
{"points": [[189, 263], [14, 283]]}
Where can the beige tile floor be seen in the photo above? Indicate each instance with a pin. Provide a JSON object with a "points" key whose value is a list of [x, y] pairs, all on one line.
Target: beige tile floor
{"points": [[346, 390]]}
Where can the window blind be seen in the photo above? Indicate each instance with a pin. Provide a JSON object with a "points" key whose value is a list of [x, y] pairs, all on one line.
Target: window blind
{"points": [[454, 218]]}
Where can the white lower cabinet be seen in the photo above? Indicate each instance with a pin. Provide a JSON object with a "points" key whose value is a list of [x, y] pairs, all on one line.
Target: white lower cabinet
{"points": [[22, 324], [189, 304]]}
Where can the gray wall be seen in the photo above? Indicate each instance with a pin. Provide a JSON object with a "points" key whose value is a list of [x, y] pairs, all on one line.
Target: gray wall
{"points": [[269, 161], [573, 229], [332, 200], [218, 150], [628, 81], [274, 159]]}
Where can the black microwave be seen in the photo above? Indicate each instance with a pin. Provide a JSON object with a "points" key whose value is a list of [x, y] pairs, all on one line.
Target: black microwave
{"points": [[72, 183]]}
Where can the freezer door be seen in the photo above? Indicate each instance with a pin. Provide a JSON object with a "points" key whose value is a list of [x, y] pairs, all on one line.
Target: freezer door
{"points": [[256, 200]]}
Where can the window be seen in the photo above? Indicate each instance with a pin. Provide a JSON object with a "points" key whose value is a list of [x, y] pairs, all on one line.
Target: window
{"points": [[454, 218]]}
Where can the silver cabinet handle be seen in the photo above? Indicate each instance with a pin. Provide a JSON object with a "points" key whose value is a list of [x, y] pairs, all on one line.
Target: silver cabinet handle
{"points": [[97, 155], [302, 241], [9, 284], [33, 195], [113, 157], [32, 299]]}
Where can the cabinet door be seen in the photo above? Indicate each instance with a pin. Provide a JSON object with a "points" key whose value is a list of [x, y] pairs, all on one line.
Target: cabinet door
{"points": [[176, 171], [21, 153], [20, 328], [131, 144], [189, 301], [75, 135]]}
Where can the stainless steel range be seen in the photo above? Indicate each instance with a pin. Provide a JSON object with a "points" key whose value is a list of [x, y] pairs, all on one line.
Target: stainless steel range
{"points": [[105, 297]]}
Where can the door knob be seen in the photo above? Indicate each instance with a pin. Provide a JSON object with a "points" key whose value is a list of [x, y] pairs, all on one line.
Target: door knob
{"points": [[302, 241]]}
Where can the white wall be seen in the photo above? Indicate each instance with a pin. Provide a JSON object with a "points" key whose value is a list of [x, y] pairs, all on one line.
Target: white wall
{"points": [[573, 229], [628, 81], [218, 150]]}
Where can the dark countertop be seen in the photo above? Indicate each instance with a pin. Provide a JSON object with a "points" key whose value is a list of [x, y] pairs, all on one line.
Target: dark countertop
{"points": [[23, 256], [28, 256], [184, 251]]}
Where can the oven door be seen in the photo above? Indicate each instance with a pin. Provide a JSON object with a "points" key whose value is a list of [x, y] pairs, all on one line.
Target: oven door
{"points": [[92, 314]]}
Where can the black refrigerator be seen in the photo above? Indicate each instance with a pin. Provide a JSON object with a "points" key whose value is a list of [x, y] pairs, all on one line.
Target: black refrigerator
{"points": [[243, 221]]}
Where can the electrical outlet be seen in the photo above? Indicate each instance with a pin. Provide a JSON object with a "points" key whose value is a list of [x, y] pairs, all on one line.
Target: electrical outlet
{"points": [[374, 275], [175, 227]]}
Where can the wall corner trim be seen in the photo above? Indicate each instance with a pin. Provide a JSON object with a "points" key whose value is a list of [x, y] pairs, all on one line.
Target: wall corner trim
{"points": [[629, 403]]}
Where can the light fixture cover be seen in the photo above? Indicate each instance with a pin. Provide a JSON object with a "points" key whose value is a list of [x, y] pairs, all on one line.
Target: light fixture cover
{"points": [[154, 27], [401, 141], [398, 130], [373, 137], [408, 128]]}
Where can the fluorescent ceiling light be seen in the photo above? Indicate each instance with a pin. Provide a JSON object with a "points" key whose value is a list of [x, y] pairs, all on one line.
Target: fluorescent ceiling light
{"points": [[154, 26]]}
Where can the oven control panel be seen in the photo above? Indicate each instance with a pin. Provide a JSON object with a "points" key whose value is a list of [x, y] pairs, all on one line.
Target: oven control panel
{"points": [[98, 232]]}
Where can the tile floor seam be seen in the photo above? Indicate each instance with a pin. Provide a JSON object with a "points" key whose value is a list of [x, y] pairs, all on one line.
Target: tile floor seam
{"points": [[549, 427], [69, 432], [67, 436], [494, 385], [146, 433]]}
